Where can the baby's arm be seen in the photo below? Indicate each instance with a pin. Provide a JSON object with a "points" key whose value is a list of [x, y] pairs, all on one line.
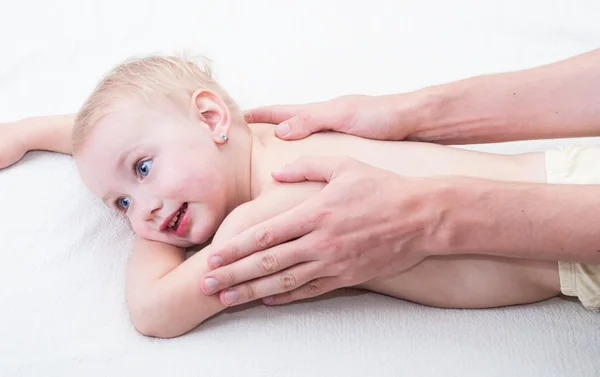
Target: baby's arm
{"points": [[163, 293], [163, 288], [51, 133]]}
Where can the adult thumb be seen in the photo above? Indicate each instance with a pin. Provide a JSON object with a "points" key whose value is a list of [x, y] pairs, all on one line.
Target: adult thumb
{"points": [[271, 114], [310, 168], [298, 127]]}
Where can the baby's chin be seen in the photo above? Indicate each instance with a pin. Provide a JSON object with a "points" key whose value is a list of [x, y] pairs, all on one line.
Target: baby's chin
{"points": [[187, 243], [182, 244]]}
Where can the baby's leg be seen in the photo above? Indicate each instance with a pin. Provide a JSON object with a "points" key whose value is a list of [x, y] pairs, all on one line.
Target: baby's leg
{"points": [[472, 281]]}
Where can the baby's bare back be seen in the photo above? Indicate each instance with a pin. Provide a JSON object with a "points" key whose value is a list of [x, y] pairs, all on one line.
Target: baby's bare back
{"points": [[451, 281], [405, 157], [472, 281]]}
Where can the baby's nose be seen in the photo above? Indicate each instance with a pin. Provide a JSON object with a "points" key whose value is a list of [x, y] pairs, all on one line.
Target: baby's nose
{"points": [[150, 209]]}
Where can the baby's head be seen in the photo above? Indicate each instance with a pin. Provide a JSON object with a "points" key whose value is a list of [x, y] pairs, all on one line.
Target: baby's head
{"points": [[161, 141]]}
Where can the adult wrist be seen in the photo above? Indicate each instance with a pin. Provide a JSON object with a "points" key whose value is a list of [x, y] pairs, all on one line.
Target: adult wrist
{"points": [[430, 214], [470, 111], [418, 112], [436, 201], [512, 219], [461, 216]]}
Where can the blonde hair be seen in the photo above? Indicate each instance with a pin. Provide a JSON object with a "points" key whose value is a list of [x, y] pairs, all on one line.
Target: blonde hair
{"points": [[145, 78]]}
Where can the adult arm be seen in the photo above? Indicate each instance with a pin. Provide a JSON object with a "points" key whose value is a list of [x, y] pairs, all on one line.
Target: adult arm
{"points": [[524, 220], [552, 101], [368, 223]]}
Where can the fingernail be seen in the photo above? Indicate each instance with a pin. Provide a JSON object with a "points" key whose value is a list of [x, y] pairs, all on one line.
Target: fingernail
{"points": [[215, 262], [231, 297], [210, 284], [282, 129], [269, 300]]}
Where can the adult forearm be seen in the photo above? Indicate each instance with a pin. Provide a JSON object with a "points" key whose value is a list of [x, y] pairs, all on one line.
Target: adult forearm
{"points": [[536, 221], [51, 133], [552, 101]]}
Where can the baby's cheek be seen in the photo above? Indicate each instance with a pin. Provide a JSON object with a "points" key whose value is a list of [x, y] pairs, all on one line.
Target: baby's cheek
{"points": [[144, 231], [181, 183], [183, 190], [205, 225]]}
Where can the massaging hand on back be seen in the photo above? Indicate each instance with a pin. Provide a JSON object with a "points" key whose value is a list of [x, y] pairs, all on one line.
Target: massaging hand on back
{"points": [[366, 116], [352, 235], [355, 236]]}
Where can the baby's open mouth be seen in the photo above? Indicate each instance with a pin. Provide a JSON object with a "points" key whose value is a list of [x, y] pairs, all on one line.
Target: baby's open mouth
{"points": [[177, 218]]}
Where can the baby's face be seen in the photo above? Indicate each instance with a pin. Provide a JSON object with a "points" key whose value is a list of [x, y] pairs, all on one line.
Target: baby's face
{"points": [[159, 168]]}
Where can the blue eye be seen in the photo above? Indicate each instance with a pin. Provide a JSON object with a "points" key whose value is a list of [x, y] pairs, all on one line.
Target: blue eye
{"points": [[123, 203], [143, 168]]}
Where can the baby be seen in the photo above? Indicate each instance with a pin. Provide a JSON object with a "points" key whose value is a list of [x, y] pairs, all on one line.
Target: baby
{"points": [[160, 141]]}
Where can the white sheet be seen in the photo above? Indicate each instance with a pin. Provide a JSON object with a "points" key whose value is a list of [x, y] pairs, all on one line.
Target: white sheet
{"points": [[63, 255]]}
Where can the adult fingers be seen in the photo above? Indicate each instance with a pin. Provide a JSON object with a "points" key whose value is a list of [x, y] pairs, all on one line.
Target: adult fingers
{"points": [[313, 288], [255, 266], [310, 168], [284, 227], [302, 125], [272, 114], [286, 280]]}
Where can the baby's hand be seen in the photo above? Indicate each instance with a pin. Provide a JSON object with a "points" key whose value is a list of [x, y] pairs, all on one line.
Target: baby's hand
{"points": [[13, 143]]}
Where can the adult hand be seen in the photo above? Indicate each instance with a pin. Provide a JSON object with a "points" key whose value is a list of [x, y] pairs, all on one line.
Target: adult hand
{"points": [[392, 117], [366, 223]]}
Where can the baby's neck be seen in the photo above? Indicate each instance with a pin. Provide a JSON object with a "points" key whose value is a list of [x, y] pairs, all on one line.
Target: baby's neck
{"points": [[257, 156], [244, 160], [250, 172]]}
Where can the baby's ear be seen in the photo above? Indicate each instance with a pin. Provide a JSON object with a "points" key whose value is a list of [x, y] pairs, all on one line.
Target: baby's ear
{"points": [[209, 108]]}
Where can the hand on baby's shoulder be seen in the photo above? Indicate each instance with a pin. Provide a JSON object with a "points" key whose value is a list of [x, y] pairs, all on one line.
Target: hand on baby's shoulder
{"points": [[13, 143]]}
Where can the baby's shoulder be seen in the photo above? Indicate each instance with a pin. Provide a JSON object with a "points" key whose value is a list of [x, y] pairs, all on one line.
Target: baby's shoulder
{"points": [[269, 204]]}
